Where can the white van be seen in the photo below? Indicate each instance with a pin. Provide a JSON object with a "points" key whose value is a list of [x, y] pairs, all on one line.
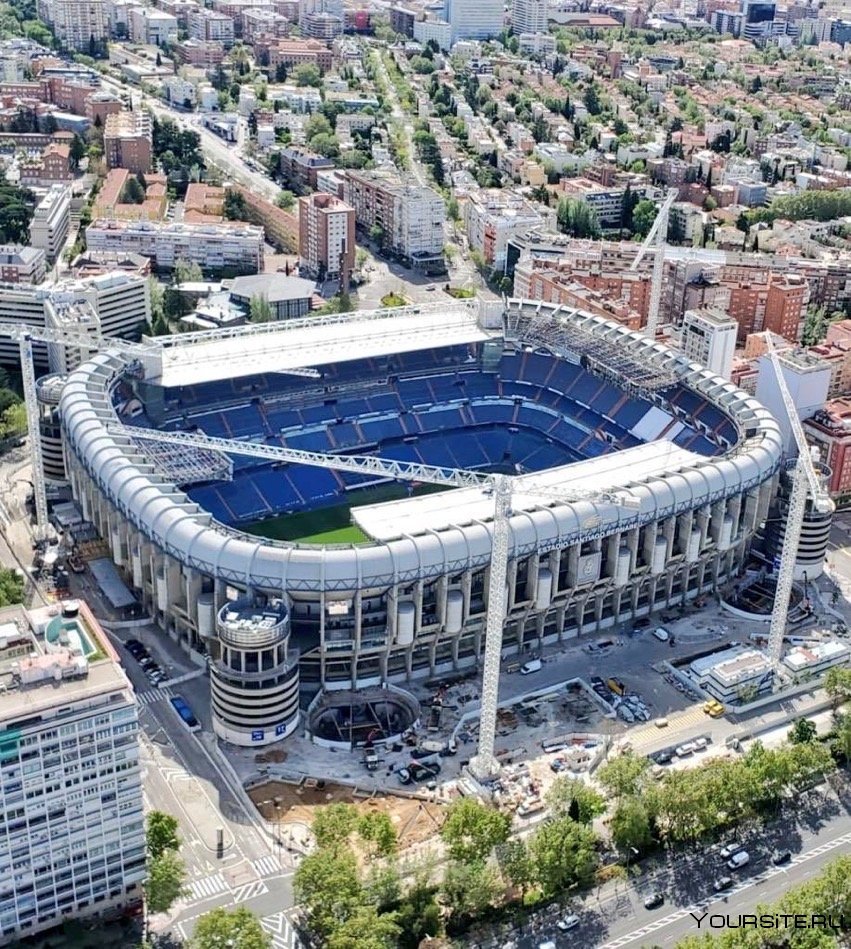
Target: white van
{"points": [[533, 665], [661, 634]]}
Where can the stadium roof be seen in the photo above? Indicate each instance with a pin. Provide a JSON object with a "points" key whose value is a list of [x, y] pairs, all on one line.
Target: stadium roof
{"points": [[462, 506], [310, 341]]}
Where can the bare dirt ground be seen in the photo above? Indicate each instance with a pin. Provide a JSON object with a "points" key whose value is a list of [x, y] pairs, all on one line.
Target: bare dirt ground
{"points": [[415, 821]]}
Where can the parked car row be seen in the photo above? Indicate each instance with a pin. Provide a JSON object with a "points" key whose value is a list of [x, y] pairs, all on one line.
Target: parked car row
{"points": [[153, 672], [629, 706]]}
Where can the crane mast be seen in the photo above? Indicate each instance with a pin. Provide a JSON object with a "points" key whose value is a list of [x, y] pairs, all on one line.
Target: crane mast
{"points": [[656, 238], [804, 480]]}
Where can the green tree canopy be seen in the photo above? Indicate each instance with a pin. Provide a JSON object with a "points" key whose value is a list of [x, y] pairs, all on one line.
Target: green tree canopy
{"points": [[234, 929], [625, 775], [563, 855], [571, 797], [333, 824], [366, 930], [327, 884], [471, 829], [260, 310], [469, 888], [161, 833], [165, 883], [643, 217], [307, 75]]}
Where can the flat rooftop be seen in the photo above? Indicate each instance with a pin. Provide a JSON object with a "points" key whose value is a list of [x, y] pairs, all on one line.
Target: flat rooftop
{"points": [[733, 666], [23, 650], [309, 342], [462, 506]]}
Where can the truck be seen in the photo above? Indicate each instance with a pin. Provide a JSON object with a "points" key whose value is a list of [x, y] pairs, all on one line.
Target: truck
{"points": [[616, 685], [418, 771], [370, 759]]}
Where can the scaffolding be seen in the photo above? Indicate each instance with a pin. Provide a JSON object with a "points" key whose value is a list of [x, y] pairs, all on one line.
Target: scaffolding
{"points": [[185, 465], [614, 359]]}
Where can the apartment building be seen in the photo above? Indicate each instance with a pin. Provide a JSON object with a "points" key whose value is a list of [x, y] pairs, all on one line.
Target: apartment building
{"points": [[762, 300], [829, 430], [299, 167], [263, 22], [127, 141], [211, 26], [492, 216], [118, 300], [72, 838], [474, 19], [292, 53], [152, 27], [236, 248], [19, 264], [410, 219], [76, 23], [326, 239], [708, 337], [51, 221], [529, 16]]}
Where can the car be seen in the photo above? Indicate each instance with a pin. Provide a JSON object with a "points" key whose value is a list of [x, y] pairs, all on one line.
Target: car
{"points": [[661, 634], [557, 765], [701, 744], [728, 850], [722, 883], [661, 723], [569, 922], [780, 857], [683, 751], [185, 713], [662, 757], [533, 665], [654, 900], [739, 860]]}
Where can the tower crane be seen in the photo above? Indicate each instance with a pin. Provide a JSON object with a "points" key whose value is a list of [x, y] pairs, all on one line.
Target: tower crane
{"points": [[656, 237], [501, 487], [804, 480]]}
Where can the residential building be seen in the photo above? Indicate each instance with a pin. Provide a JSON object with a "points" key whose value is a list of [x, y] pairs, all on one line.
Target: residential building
{"points": [[211, 26], [77, 24], [52, 166], [529, 16], [51, 221], [326, 239], [263, 22], [199, 53], [492, 216], [807, 378], [19, 264], [299, 167], [402, 21], [297, 52], [225, 248], [437, 30], [829, 428], [474, 19], [127, 141], [709, 338], [152, 27], [409, 218], [72, 835]]}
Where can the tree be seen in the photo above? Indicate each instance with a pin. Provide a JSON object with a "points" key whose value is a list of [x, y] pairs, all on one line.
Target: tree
{"points": [[469, 888], [471, 829], [133, 192], [630, 825], [325, 145], [11, 587], [260, 310], [515, 864], [285, 200], [187, 271], [234, 207], [234, 929], [326, 883], [591, 99], [307, 74], [382, 886], [643, 217], [563, 854], [625, 776], [333, 824], [377, 831], [366, 930], [165, 883], [77, 151], [837, 684], [13, 420], [161, 833], [842, 738], [570, 797], [418, 914], [803, 730]]}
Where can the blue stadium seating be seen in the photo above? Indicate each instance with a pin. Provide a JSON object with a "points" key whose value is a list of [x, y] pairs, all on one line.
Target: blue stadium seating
{"points": [[463, 420]]}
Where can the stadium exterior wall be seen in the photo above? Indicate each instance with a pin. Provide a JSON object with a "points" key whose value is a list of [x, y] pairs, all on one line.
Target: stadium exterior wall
{"points": [[346, 600]]}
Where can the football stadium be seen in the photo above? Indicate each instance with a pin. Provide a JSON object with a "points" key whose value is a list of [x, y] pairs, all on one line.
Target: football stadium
{"points": [[651, 477]]}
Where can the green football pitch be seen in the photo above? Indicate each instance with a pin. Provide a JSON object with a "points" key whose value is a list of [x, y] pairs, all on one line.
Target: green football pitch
{"points": [[331, 525]]}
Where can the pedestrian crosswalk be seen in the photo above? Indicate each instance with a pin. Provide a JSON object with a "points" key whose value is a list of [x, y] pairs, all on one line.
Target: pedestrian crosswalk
{"points": [[208, 886], [267, 866], [149, 696], [648, 735], [249, 891]]}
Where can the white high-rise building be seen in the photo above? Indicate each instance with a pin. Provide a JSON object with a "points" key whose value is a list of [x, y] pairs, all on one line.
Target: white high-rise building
{"points": [[51, 221], [72, 837], [529, 16], [709, 338], [474, 19], [77, 24]]}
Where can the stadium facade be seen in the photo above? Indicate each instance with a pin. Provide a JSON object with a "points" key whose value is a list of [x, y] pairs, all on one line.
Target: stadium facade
{"points": [[673, 470]]}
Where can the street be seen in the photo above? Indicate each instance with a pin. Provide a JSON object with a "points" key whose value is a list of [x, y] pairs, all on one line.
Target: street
{"points": [[817, 829]]}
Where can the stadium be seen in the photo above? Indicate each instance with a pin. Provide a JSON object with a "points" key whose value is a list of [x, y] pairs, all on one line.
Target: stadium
{"points": [[297, 579]]}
